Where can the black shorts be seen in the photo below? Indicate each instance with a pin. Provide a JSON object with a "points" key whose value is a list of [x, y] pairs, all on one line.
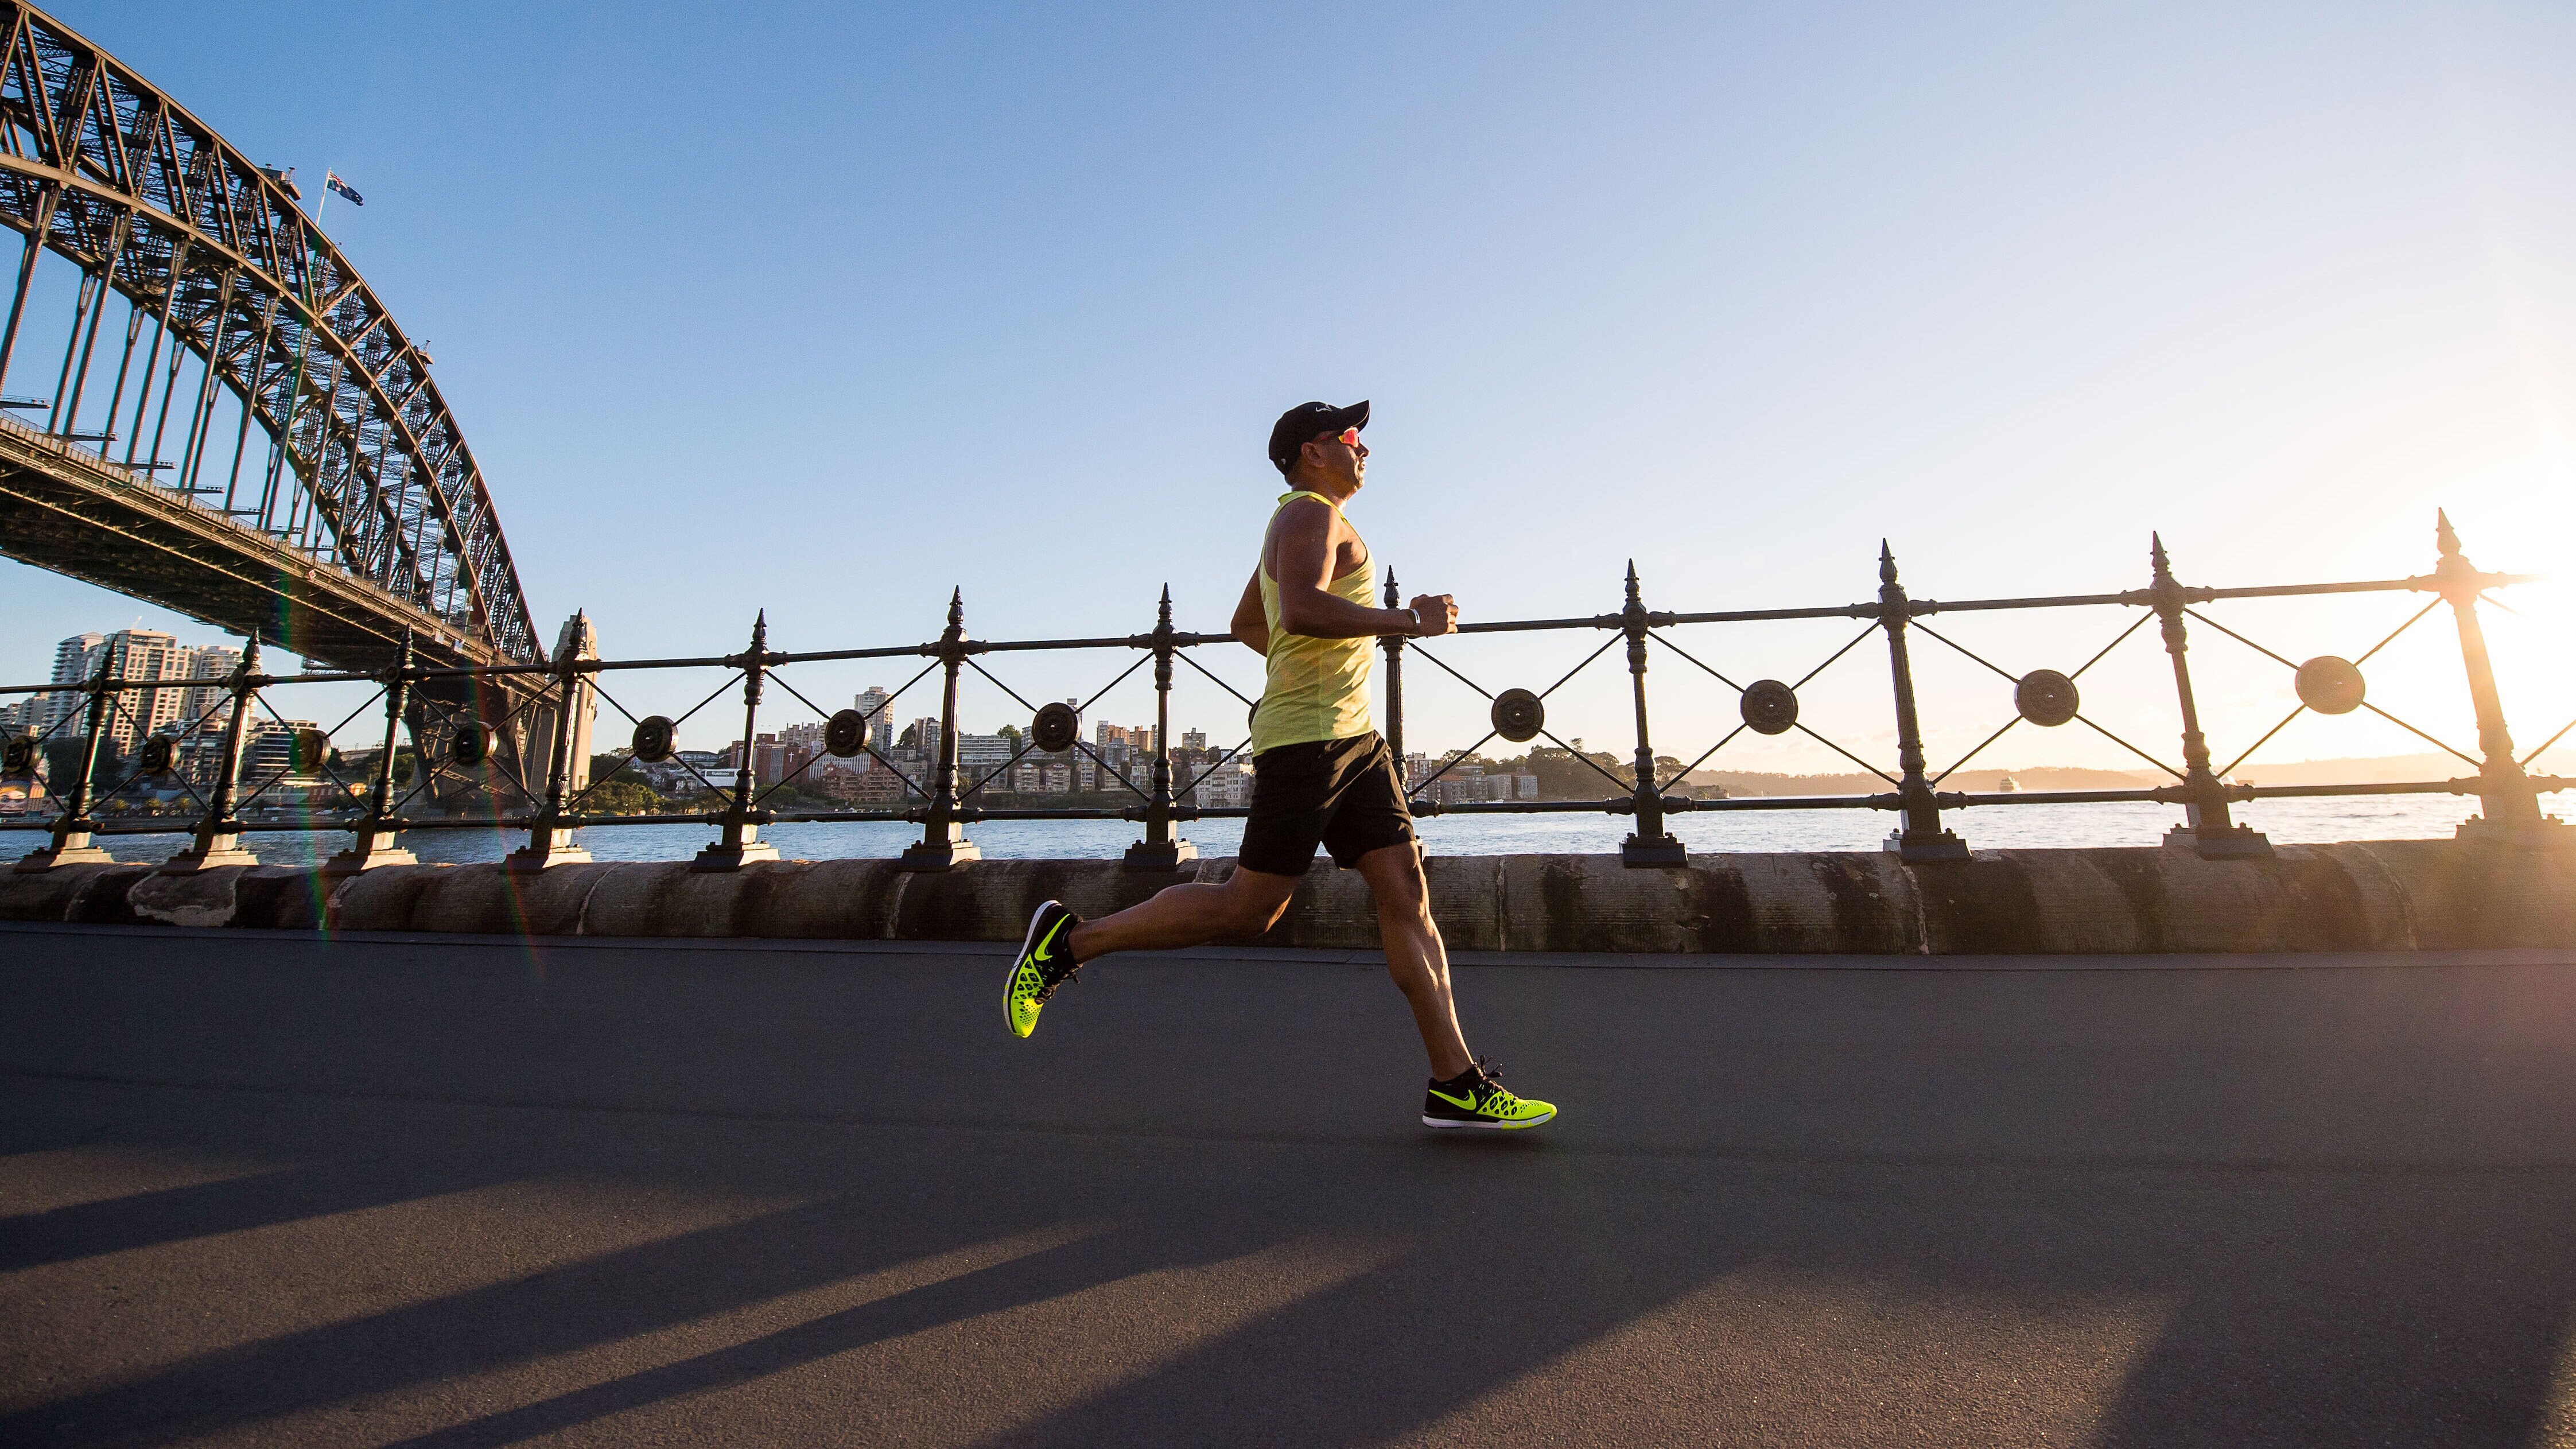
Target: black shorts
{"points": [[1341, 794]]}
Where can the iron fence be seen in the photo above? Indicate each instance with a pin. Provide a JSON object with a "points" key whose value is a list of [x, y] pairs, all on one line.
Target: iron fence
{"points": [[455, 744]]}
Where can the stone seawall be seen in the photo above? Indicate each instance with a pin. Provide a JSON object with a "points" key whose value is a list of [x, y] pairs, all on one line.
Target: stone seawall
{"points": [[2384, 895]]}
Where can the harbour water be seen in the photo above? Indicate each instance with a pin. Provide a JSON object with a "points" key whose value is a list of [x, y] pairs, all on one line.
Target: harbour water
{"points": [[2306, 821]]}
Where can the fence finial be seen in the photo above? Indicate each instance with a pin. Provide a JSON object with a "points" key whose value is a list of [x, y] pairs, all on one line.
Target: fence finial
{"points": [[1886, 563], [2156, 555], [2444, 539]]}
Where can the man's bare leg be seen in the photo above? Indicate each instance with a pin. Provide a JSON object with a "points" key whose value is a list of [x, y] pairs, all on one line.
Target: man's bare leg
{"points": [[1416, 957], [1246, 904]]}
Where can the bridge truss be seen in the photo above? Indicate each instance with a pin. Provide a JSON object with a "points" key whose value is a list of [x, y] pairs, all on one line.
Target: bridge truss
{"points": [[236, 311]]}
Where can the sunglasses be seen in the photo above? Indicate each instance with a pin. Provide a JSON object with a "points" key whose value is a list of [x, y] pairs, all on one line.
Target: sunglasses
{"points": [[1348, 437]]}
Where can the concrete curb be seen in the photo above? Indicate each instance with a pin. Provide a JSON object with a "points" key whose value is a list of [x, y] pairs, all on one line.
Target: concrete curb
{"points": [[2376, 896]]}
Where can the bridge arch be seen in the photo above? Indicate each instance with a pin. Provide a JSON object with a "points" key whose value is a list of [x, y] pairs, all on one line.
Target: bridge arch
{"points": [[360, 469]]}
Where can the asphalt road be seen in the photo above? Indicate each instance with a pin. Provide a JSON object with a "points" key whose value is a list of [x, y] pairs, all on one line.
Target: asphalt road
{"points": [[273, 1190]]}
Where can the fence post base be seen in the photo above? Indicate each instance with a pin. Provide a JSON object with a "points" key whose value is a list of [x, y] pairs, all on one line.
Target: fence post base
{"points": [[74, 849], [2232, 842], [1147, 855], [373, 846], [740, 845], [733, 857], [554, 847], [2550, 833], [1912, 846], [1661, 850], [220, 848], [939, 850]]}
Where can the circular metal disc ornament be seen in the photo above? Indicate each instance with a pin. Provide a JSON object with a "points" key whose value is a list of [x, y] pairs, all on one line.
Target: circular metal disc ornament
{"points": [[654, 736], [2046, 698], [1519, 715], [1769, 707], [2330, 685], [1054, 727], [18, 757], [845, 734], [159, 753], [471, 745]]}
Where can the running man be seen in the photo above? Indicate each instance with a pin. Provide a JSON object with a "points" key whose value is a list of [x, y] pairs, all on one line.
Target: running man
{"points": [[1321, 775]]}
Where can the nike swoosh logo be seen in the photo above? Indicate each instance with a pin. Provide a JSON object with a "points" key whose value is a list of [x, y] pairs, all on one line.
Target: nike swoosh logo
{"points": [[1467, 1102], [1041, 953]]}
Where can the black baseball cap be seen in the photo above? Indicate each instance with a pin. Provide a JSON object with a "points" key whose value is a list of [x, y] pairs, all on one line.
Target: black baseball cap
{"points": [[1305, 422]]}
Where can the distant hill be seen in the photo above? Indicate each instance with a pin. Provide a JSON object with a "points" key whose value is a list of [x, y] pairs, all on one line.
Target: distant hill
{"points": [[2380, 770], [1740, 782]]}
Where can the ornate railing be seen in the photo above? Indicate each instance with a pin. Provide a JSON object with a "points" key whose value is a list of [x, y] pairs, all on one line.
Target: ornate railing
{"points": [[944, 801]]}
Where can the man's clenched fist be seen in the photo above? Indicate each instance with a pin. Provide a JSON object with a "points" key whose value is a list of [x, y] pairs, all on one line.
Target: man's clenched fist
{"points": [[1437, 613]]}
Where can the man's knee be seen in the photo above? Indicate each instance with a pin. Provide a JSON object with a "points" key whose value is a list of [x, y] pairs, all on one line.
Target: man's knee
{"points": [[1254, 906], [1395, 878]]}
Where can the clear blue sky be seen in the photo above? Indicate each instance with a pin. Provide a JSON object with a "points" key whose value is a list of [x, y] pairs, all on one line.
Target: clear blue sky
{"points": [[827, 309]]}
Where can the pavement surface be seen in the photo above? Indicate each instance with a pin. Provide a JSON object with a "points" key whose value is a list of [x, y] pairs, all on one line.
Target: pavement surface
{"points": [[275, 1190]]}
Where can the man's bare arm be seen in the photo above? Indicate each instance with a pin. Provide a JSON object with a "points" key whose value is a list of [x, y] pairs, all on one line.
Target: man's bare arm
{"points": [[1303, 565], [1251, 627]]}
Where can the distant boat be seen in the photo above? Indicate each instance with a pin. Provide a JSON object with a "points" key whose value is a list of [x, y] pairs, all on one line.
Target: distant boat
{"points": [[2008, 785]]}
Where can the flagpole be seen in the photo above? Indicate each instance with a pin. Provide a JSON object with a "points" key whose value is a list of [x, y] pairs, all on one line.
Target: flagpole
{"points": [[312, 319]]}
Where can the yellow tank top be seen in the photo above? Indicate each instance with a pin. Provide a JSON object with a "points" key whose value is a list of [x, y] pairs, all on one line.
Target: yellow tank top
{"points": [[1315, 689]]}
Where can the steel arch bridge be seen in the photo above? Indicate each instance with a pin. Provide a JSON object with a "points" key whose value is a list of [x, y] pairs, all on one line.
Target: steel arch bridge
{"points": [[354, 515]]}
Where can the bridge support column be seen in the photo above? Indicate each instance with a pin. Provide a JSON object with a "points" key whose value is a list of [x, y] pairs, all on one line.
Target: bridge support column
{"points": [[566, 733]]}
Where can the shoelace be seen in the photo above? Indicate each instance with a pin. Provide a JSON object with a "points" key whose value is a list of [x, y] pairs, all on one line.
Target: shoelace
{"points": [[1050, 983], [1489, 1091]]}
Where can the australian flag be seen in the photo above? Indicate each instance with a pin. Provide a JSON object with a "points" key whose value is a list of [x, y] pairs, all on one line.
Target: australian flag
{"points": [[332, 180]]}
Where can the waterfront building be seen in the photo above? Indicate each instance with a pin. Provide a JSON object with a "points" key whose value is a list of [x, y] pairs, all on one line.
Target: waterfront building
{"points": [[872, 702], [980, 755], [925, 735], [144, 655], [75, 661], [203, 705]]}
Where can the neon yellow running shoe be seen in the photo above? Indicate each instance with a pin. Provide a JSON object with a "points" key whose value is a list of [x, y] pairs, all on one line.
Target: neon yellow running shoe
{"points": [[1477, 1098], [1045, 963]]}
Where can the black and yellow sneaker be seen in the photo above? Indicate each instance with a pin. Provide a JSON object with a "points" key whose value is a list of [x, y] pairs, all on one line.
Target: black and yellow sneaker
{"points": [[1476, 1098], [1045, 963]]}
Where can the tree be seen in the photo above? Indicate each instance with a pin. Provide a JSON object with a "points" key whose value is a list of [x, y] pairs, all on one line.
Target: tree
{"points": [[1011, 737], [910, 739], [621, 797]]}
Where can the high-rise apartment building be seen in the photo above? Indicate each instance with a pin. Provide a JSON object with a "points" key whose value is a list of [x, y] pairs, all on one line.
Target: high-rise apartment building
{"points": [[872, 702], [136, 656], [925, 733], [75, 661], [203, 705]]}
